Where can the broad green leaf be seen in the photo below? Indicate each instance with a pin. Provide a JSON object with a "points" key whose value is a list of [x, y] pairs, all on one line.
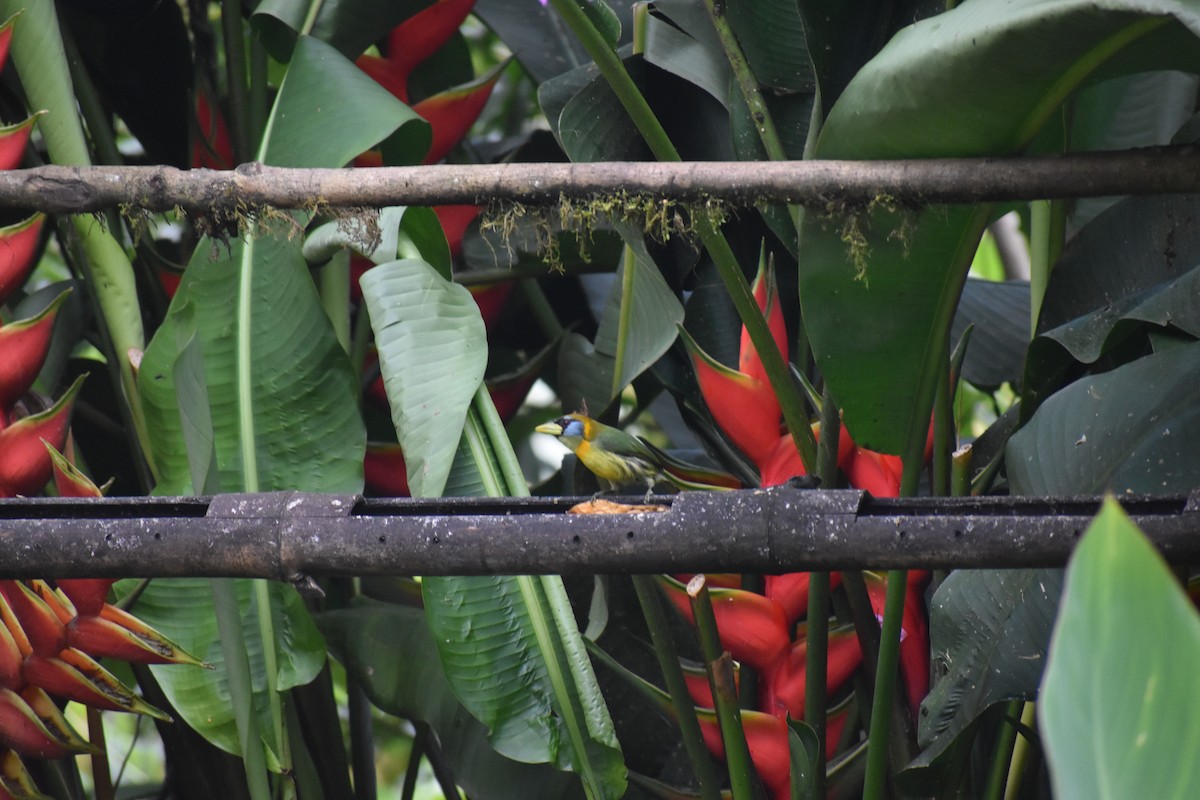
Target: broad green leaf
{"points": [[1119, 713], [1136, 428], [1000, 314], [988, 631], [282, 395], [804, 750], [687, 46], [981, 79], [328, 111], [350, 26], [182, 608], [432, 353], [636, 328], [772, 38], [299, 405], [492, 657], [367, 638]]}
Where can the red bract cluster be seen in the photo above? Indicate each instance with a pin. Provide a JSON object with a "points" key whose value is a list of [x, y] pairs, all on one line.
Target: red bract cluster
{"points": [[756, 628], [50, 635]]}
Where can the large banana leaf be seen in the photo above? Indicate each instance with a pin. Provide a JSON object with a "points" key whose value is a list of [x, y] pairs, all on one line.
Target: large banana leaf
{"points": [[981, 79], [1136, 428], [432, 354], [1119, 713], [282, 396], [367, 638]]}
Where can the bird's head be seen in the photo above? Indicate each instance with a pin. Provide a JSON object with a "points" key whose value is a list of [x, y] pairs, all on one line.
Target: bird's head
{"points": [[570, 429]]}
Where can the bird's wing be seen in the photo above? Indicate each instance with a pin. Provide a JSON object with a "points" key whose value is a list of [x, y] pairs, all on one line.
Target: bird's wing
{"points": [[691, 476]]}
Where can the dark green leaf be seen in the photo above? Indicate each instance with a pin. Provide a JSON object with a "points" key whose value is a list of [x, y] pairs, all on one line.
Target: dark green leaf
{"points": [[988, 631], [367, 639], [348, 25], [1119, 713], [805, 751], [1000, 314], [1136, 428], [980, 79], [772, 38]]}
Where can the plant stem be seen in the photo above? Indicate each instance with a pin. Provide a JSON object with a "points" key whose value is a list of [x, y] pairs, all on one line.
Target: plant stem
{"points": [[760, 114], [720, 678], [1047, 223], [885, 686], [624, 320], [685, 710], [235, 77], [1003, 751], [362, 744], [631, 98], [237, 668]]}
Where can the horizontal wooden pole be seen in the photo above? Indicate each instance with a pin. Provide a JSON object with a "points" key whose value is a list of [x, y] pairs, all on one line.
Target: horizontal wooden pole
{"points": [[287, 536], [57, 189]]}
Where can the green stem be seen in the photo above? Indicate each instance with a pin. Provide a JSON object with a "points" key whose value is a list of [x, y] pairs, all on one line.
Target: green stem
{"points": [[540, 308], [1002, 753], [943, 432], [875, 780], [535, 601], [720, 678], [237, 671], [492, 427], [652, 131], [235, 77], [760, 114], [816, 655], [624, 319], [1047, 226], [685, 710]]}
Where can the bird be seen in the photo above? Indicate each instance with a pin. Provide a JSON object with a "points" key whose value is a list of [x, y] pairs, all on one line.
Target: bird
{"points": [[620, 459]]}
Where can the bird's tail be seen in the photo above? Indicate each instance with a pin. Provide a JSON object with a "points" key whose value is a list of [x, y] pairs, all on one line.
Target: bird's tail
{"points": [[690, 476]]}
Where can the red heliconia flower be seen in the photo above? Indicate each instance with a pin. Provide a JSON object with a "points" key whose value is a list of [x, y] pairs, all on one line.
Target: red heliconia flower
{"points": [[32, 725], [752, 627], [791, 592], [452, 113], [212, 148], [413, 41], [455, 220], [13, 139], [877, 473], [18, 243], [767, 740], [87, 595], [24, 463], [24, 344], [742, 401], [783, 690], [38, 619], [384, 471], [76, 676], [118, 634], [6, 29], [914, 633], [15, 781]]}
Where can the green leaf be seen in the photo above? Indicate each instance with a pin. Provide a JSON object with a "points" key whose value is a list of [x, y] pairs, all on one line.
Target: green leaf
{"points": [[397, 232], [366, 639], [981, 79], [988, 631], [687, 46], [1000, 314], [1136, 429], [493, 658], [432, 353], [300, 401], [182, 609], [804, 749], [1119, 713], [350, 26], [636, 328], [772, 38], [328, 111]]}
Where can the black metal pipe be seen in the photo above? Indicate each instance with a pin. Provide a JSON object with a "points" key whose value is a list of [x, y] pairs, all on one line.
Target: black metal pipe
{"points": [[288, 535]]}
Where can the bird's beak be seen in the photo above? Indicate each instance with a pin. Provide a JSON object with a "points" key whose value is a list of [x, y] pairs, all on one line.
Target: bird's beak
{"points": [[552, 428]]}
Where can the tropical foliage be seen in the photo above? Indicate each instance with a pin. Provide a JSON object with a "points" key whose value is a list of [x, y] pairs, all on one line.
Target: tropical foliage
{"points": [[393, 353]]}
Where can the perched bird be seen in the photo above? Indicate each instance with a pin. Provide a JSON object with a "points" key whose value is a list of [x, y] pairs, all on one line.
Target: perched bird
{"points": [[618, 459]]}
